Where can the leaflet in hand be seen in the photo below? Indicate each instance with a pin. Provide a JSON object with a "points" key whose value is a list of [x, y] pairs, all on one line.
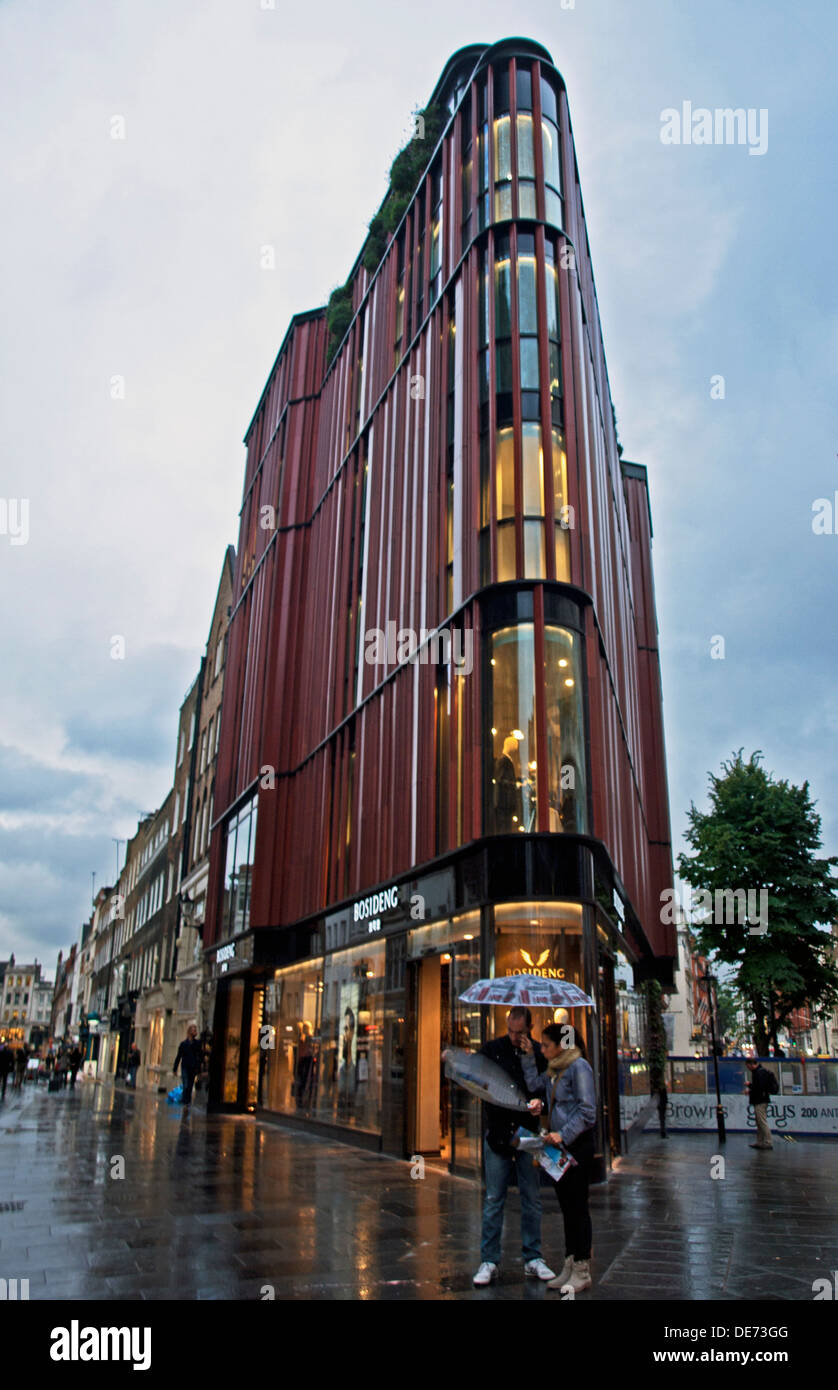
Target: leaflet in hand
{"points": [[554, 1159]]}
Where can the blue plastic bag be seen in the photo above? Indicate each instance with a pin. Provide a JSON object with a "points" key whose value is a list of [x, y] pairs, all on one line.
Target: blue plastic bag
{"points": [[175, 1096]]}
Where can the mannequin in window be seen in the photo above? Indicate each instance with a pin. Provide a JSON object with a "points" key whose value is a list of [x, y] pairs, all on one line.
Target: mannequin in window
{"points": [[568, 812], [506, 798]]}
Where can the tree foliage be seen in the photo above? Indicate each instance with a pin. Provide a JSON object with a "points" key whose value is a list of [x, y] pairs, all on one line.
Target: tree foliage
{"points": [[405, 172], [764, 834]]}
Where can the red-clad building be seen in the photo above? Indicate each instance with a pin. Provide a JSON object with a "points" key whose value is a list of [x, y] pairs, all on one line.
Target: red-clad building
{"points": [[442, 750]]}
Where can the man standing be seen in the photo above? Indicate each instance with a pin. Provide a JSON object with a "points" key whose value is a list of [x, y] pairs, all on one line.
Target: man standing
{"points": [[190, 1055], [762, 1086], [500, 1157], [7, 1061], [133, 1066]]}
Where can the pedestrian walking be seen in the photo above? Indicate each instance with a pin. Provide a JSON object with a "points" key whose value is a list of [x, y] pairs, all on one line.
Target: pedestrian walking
{"points": [[190, 1055], [761, 1087], [500, 1159], [74, 1062], [132, 1067], [61, 1067], [7, 1062], [570, 1095], [663, 1101], [21, 1063]]}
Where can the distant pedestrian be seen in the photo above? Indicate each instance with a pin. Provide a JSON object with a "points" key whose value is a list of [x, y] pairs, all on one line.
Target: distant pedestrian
{"points": [[190, 1055], [132, 1067], [21, 1063], [7, 1062], [74, 1061], [762, 1086], [61, 1067], [663, 1101]]}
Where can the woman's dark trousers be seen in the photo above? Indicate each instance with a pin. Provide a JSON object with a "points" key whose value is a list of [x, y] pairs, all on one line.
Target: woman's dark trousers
{"points": [[572, 1192]]}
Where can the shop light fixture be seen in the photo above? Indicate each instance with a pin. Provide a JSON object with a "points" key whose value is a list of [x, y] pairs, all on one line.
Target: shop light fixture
{"points": [[469, 936], [519, 734], [569, 682], [563, 661]]}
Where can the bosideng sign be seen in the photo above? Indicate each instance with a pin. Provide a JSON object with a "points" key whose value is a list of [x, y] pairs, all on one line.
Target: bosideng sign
{"points": [[370, 909], [785, 1114]]}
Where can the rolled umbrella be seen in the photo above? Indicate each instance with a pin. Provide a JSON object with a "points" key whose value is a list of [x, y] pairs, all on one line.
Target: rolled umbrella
{"points": [[532, 991]]}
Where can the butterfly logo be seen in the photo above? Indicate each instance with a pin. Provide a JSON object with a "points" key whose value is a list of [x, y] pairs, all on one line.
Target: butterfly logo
{"points": [[535, 965]]}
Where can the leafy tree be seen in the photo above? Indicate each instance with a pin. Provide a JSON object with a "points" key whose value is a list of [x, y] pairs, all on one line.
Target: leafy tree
{"points": [[764, 834], [728, 1003]]}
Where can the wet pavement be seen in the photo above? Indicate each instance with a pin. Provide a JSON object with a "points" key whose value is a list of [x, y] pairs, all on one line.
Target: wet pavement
{"points": [[228, 1207]]}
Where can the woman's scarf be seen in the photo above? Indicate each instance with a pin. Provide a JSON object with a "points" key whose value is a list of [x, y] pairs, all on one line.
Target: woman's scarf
{"points": [[564, 1059]]}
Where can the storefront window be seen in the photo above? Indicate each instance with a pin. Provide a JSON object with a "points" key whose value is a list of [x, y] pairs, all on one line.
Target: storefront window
{"points": [[512, 799], [539, 938], [232, 1042], [292, 1011], [352, 1030], [565, 742]]}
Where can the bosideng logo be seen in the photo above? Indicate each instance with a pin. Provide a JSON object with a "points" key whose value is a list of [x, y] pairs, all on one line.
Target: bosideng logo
{"points": [[75, 1343]]}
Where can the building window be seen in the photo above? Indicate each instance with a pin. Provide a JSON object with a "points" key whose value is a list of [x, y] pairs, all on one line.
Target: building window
{"points": [[482, 158], [553, 211], [219, 657], [468, 170], [553, 333], [451, 444], [525, 143], [400, 292], [519, 699], [511, 802], [566, 782], [241, 843], [435, 267], [561, 509]]}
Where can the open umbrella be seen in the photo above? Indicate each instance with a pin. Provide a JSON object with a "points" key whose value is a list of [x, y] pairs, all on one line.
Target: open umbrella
{"points": [[531, 990]]}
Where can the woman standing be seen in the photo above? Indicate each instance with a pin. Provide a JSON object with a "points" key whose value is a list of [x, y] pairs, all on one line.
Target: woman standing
{"points": [[568, 1085]]}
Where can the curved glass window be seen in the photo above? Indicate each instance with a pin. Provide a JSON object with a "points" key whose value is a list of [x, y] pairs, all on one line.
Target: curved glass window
{"points": [[511, 804], [482, 158], [519, 706], [562, 513], [553, 333], [526, 165], [550, 152], [566, 787]]}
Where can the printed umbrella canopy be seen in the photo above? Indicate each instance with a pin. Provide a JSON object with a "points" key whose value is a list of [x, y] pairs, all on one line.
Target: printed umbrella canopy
{"points": [[532, 990]]}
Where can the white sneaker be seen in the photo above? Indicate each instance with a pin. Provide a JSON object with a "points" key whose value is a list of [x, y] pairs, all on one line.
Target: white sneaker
{"points": [[537, 1269], [485, 1273]]}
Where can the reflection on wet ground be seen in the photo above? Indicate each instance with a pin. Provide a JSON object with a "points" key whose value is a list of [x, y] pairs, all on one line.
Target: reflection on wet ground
{"points": [[227, 1207]]}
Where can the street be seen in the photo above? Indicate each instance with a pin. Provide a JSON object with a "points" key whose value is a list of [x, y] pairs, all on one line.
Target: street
{"points": [[111, 1194]]}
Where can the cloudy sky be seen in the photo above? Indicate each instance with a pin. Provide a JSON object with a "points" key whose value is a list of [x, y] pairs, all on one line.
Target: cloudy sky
{"points": [[139, 259]]}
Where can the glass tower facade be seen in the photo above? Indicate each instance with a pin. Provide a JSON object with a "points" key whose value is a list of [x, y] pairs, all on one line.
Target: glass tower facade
{"points": [[442, 747]]}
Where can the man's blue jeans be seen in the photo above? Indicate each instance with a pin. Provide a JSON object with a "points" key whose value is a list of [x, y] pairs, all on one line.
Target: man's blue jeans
{"points": [[498, 1174]]}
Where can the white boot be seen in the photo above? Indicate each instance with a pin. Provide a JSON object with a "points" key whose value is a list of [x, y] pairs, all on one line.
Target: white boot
{"points": [[580, 1277], [563, 1274]]}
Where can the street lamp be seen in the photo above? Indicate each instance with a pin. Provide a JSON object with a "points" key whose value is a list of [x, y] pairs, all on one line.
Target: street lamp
{"points": [[720, 1119]]}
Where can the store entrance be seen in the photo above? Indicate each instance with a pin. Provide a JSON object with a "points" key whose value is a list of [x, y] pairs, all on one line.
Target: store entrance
{"points": [[432, 1118]]}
